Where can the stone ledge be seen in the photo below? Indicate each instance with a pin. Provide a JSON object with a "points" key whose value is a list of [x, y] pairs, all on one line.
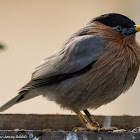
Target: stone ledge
{"points": [[66, 135], [60, 122], [30, 127]]}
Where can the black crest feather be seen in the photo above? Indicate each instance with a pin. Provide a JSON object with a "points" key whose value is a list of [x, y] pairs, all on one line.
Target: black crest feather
{"points": [[114, 19]]}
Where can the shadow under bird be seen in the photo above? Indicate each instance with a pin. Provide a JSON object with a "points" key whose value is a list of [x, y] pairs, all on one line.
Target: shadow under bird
{"points": [[96, 65]]}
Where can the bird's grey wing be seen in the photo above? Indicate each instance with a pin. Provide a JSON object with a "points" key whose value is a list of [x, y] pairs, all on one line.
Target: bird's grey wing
{"points": [[77, 56]]}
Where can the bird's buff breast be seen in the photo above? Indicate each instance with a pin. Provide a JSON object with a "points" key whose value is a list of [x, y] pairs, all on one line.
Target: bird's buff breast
{"points": [[112, 74]]}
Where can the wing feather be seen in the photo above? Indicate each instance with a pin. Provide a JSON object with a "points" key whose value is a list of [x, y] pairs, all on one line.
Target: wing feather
{"points": [[77, 56]]}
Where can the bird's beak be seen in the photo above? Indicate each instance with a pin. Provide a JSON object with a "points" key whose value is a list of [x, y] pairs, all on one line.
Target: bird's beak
{"points": [[137, 28], [131, 30]]}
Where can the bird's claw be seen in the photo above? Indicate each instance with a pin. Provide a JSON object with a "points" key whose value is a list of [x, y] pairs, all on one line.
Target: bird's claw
{"points": [[75, 129], [97, 129], [95, 124], [89, 126], [119, 131]]}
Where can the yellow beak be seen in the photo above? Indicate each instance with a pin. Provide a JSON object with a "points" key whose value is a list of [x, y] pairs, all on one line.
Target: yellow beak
{"points": [[137, 28]]}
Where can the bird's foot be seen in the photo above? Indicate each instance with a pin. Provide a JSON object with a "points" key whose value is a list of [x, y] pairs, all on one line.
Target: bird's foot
{"points": [[110, 129], [119, 131], [98, 129], [75, 129], [95, 124], [89, 126]]}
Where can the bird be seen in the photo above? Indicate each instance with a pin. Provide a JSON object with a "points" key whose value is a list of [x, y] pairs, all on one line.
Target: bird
{"points": [[94, 66]]}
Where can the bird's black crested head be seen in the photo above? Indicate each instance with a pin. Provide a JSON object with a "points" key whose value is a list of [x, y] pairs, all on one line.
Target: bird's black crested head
{"points": [[114, 19]]}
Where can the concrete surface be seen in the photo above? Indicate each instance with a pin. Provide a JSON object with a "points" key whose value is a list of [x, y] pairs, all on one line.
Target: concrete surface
{"points": [[59, 127], [60, 122], [67, 135]]}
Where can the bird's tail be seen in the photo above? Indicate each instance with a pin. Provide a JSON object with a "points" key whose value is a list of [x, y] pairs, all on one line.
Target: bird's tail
{"points": [[22, 96]]}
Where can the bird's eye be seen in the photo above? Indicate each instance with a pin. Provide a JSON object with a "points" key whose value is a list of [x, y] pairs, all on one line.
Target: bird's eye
{"points": [[118, 28]]}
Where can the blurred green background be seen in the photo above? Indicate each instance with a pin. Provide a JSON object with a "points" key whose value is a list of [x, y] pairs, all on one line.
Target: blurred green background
{"points": [[2, 47]]}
